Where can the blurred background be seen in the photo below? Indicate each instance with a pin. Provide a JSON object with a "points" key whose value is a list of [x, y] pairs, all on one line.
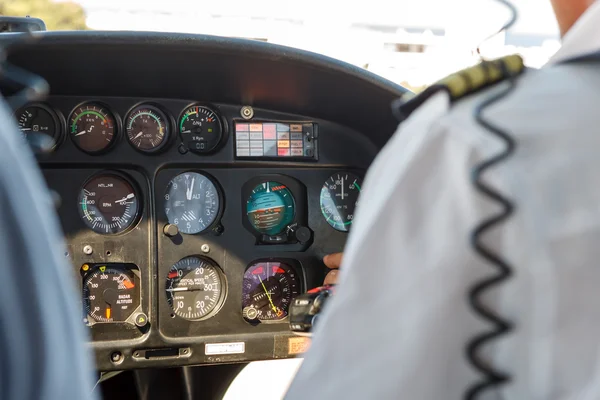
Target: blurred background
{"points": [[411, 42]]}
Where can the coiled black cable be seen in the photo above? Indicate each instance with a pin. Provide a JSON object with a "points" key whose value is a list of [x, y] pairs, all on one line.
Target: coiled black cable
{"points": [[501, 326]]}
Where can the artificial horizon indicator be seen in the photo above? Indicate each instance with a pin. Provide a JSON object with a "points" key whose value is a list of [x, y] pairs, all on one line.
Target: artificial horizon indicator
{"points": [[270, 208]]}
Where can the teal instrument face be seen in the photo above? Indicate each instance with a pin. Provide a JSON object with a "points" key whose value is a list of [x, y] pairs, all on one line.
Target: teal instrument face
{"points": [[339, 197], [270, 208]]}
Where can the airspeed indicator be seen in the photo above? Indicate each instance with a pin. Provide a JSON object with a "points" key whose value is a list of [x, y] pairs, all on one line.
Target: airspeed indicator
{"points": [[339, 197]]}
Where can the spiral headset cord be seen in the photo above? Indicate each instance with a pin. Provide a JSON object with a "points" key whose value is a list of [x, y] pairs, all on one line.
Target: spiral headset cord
{"points": [[501, 326], [459, 85]]}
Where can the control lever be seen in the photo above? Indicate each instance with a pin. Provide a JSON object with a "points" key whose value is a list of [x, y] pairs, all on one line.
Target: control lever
{"points": [[306, 308]]}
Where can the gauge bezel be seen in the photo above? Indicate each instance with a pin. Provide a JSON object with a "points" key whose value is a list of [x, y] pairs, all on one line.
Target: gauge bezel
{"points": [[169, 123], [361, 178], [217, 221], [57, 117], [136, 219], [222, 296], [117, 129], [135, 270], [295, 265], [222, 125]]}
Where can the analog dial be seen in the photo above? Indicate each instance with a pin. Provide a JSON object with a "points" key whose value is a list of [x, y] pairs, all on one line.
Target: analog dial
{"points": [[339, 198], [268, 290], [110, 294], [108, 204], [92, 128], [147, 128], [195, 289], [192, 202]]}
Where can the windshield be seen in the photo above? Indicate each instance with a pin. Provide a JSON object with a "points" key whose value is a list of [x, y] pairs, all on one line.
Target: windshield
{"points": [[410, 42]]}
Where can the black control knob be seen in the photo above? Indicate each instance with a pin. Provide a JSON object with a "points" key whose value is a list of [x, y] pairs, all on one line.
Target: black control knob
{"points": [[171, 230], [302, 234], [250, 313]]}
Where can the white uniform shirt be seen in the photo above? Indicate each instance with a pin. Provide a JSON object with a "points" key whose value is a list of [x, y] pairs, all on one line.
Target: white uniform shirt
{"points": [[400, 321]]}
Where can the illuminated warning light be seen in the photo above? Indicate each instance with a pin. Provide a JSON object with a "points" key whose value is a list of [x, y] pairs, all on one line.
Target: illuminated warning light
{"points": [[102, 268], [128, 284], [85, 267], [258, 271], [172, 275]]}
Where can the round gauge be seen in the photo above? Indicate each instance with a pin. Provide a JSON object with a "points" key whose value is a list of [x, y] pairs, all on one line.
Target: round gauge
{"points": [[40, 119], [200, 129], [268, 290], [92, 128], [195, 288], [339, 197], [147, 128], [108, 204], [192, 202], [270, 208], [110, 294]]}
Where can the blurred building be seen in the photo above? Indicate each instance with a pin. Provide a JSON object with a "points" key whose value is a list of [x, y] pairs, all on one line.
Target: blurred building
{"points": [[410, 42]]}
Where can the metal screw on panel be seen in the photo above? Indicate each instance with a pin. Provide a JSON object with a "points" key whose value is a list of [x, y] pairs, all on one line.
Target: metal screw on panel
{"points": [[116, 357], [205, 248], [247, 112], [87, 249]]}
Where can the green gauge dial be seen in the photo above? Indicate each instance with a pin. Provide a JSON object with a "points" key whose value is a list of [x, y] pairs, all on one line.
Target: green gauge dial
{"points": [[147, 128], [339, 197]]}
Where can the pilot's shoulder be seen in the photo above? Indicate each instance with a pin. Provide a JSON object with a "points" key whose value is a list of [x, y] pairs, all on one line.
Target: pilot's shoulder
{"points": [[463, 84]]}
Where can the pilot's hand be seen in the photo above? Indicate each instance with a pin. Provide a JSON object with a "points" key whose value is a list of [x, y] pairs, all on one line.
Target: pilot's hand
{"points": [[332, 261]]}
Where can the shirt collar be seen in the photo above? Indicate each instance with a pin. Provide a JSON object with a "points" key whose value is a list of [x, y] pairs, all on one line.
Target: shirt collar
{"points": [[583, 37]]}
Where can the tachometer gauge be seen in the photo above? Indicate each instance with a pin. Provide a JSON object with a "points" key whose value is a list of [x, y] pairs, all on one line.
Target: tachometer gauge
{"points": [[195, 288], [147, 128], [270, 208], [108, 203], [339, 197], [268, 290], [40, 119], [110, 294], [92, 128], [192, 202], [200, 129]]}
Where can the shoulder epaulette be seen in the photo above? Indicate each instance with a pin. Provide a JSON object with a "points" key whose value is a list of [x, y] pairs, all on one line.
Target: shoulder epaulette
{"points": [[464, 83]]}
